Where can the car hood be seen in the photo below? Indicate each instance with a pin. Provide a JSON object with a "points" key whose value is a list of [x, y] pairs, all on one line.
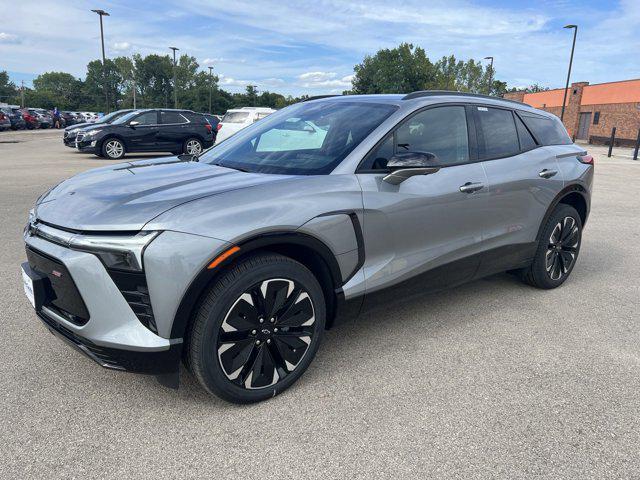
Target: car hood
{"points": [[126, 196], [78, 125]]}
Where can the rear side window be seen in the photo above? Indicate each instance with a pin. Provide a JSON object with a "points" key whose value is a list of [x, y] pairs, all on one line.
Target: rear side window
{"points": [[526, 140], [172, 117], [548, 131], [497, 135]]}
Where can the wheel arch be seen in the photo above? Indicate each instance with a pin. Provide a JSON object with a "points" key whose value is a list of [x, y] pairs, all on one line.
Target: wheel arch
{"points": [[112, 135], [302, 247], [575, 196]]}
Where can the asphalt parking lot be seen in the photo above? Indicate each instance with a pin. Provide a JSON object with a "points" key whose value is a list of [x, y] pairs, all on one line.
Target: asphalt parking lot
{"points": [[491, 380]]}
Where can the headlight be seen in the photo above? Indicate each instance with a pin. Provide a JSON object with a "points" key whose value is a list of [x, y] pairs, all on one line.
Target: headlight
{"points": [[122, 252], [117, 251], [91, 133]]}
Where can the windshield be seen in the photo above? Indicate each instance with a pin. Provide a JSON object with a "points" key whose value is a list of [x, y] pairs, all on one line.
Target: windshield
{"points": [[303, 139], [235, 117], [110, 117]]}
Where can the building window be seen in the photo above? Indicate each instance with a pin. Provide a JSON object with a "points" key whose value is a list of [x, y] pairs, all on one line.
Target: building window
{"points": [[596, 118], [575, 91]]}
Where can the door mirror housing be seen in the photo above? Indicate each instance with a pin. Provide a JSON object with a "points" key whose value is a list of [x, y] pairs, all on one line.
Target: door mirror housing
{"points": [[134, 123], [408, 164]]}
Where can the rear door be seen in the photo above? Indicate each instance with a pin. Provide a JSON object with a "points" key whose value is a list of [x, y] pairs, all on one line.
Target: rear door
{"points": [[524, 178], [142, 136], [173, 130], [427, 221]]}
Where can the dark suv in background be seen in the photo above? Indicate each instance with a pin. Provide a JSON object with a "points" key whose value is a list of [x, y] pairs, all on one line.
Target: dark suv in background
{"points": [[151, 130], [15, 118], [69, 136]]}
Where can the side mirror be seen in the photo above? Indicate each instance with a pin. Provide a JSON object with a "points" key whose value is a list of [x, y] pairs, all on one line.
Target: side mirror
{"points": [[188, 157], [408, 164], [134, 123]]}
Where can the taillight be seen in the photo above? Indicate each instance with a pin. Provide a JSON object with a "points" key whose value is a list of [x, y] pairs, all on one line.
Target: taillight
{"points": [[208, 125], [218, 127], [587, 159]]}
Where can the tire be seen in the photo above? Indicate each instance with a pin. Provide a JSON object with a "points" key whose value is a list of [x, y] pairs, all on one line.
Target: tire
{"points": [[264, 357], [112, 148], [192, 146], [558, 249]]}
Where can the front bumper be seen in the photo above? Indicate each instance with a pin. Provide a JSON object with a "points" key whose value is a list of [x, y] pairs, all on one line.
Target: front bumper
{"points": [[112, 335]]}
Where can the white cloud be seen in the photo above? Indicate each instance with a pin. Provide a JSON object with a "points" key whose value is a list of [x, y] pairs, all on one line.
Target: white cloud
{"points": [[324, 80], [8, 38], [215, 61], [121, 46]]}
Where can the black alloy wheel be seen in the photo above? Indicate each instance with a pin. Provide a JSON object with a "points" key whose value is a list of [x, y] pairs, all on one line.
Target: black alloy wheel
{"points": [[257, 328], [563, 248], [266, 333]]}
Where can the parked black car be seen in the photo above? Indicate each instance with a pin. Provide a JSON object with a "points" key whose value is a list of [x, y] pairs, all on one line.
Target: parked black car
{"points": [[69, 136], [15, 117], [151, 130]]}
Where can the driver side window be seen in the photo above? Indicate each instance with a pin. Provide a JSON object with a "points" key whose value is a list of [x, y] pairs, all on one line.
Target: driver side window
{"points": [[441, 131], [147, 118]]}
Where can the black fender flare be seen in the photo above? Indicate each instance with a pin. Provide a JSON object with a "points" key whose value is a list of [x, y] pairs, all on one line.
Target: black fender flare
{"points": [[566, 191]]}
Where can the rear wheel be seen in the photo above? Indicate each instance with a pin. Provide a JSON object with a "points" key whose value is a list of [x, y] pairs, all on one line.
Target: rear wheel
{"points": [[112, 148], [257, 330], [558, 249], [192, 146]]}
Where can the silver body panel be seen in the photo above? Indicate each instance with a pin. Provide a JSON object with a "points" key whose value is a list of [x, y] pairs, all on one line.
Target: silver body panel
{"points": [[407, 229]]}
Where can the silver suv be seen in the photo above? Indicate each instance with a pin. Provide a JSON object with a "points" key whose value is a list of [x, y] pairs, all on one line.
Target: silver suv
{"points": [[236, 261]]}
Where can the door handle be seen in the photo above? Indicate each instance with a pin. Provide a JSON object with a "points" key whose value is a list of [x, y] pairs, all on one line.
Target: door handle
{"points": [[547, 173], [471, 187]]}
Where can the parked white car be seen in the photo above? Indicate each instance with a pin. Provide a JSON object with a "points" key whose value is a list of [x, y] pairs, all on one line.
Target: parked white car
{"points": [[89, 116], [238, 118]]}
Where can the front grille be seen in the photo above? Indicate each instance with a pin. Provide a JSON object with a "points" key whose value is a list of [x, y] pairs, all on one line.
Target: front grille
{"points": [[79, 137], [133, 286], [62, 296]]}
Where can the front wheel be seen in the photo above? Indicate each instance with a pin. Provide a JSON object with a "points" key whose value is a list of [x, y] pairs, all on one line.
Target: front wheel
{"points": [[112, 148], [558, 249], [257, 330], [192, 146]]}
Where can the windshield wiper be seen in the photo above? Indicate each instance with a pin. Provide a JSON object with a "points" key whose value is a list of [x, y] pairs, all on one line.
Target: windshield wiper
{"points": [[240, 169]]}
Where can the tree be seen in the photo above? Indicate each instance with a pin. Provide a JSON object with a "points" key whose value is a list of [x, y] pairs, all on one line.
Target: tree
{"points": [[535, 88], [58, 89], [154, 76], [398, 70], [8, 90], [98, 79]]}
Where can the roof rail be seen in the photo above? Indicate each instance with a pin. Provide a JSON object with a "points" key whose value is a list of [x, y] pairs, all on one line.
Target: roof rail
{"points": [[436, 93], [318, 97]]}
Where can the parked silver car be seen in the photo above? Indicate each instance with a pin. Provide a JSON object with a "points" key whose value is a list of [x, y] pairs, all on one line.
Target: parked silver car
{"points": [[237, 261]]}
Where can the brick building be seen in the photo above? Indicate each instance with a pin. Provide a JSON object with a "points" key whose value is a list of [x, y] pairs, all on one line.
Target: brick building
{"points": [[592, 110]]}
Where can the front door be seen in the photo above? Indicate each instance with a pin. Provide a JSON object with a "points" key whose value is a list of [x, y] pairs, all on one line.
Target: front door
{"points": [[427, 221], [142, 135], [583, 126]]}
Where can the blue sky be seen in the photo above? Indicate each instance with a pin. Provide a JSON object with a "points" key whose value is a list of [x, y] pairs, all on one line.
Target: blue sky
{"points": [[311, 46]]}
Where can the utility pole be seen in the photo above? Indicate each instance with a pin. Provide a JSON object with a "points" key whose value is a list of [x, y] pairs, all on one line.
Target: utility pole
{"points": [[255, 95], [175, 85], [210, 86], [22, 94], [490, 75], [134, 92], [102, 13], [573, 46]]}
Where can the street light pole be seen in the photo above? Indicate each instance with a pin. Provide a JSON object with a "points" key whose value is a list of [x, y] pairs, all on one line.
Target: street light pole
{"points": [[255, 95], [102, 13], [210, 86], [573, 46], [175, 85], [490, 75]]}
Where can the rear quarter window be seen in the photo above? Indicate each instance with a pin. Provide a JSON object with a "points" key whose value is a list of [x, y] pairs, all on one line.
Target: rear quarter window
{"points": [[548, 131]]}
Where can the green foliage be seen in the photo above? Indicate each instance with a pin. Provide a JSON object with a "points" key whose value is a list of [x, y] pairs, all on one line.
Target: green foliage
{"points": [[406, 68], [535, 88], [8, 90]]}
